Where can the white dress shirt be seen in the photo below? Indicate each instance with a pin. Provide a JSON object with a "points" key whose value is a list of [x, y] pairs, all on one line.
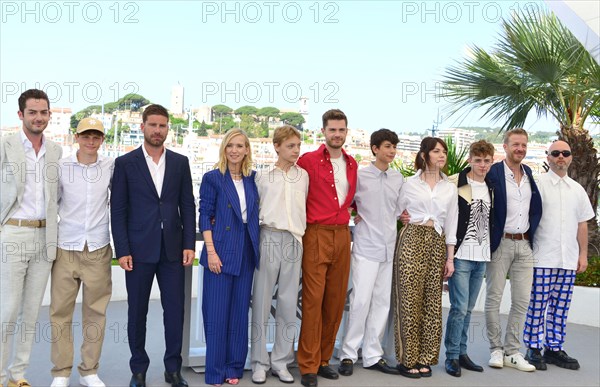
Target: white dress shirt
{"points": [[564, 205], [83, 197], [283, 199], [439, 204], [377, 202], [157, 171], [33, 205], [518, 199]]}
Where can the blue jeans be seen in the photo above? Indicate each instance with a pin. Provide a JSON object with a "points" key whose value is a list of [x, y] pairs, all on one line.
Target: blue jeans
{"points": [[464, 288]]}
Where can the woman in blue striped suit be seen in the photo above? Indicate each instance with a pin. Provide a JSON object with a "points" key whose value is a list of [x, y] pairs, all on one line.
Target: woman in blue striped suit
{"points": [[229, 224]]}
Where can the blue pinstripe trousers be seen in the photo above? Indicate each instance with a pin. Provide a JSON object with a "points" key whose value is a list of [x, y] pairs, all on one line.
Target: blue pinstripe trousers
{"points": [[225, 305]]}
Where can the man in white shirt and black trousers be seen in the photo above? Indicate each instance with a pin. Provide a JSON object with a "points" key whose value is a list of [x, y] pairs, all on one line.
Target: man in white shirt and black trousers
{"points": [[84, 256], [560, 252]]}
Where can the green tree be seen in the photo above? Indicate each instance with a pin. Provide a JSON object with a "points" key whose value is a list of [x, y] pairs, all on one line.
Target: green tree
{"points": [[268, 112], [294, 119], [221, 109], [538, 64], [202, 129], [457, 158], [246, 110], [133, 102]]}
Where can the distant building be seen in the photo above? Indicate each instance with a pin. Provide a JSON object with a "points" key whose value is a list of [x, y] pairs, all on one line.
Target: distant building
{"points": [[408, 143], [358, 137], [60, 122], [203, 113], [107, 120], [177, 100], [131, 121], [462, 137]]}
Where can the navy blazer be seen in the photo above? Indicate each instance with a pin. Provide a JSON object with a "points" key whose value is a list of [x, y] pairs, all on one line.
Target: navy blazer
{"points": [[496, 179], [138, 213], [221, 213]]}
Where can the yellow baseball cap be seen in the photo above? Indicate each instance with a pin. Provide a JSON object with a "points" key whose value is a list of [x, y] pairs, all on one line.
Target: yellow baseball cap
{"points": [[90, 124]]}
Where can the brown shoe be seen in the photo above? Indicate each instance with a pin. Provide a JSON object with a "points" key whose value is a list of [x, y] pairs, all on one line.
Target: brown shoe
{"points": [[19, 383]]}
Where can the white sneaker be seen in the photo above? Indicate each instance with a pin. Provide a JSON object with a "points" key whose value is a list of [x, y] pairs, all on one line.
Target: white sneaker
{"points": [[517, 361], [60, 381], [496, 359], [91, 381], [259, 376], [283, 375]]}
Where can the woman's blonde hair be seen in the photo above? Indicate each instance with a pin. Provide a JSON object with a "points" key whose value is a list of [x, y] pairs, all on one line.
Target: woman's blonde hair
{"points": [[246, 168]]}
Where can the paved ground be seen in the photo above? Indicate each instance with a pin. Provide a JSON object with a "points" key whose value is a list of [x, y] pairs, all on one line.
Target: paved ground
{"points": [[583, 342]]}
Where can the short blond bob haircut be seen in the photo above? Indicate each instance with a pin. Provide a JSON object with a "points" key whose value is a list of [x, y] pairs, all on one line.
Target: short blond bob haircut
{"points": [[246, 168]]}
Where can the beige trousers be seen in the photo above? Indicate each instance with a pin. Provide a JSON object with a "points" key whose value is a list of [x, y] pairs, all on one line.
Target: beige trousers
{"points": [[70, 270]]}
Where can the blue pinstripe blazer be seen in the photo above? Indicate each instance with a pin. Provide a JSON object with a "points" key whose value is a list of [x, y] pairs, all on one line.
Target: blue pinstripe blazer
{"points": [[219, 201]]}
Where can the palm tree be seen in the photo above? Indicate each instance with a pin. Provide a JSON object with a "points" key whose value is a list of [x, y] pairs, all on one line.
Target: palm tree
{"points": [[538, 64]]}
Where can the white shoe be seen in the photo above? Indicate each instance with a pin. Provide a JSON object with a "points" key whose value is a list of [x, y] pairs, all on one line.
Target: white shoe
{"points": [[259, 376], [283, 375], [60, 381], [517, 361], [91, 381], [496, 359]]}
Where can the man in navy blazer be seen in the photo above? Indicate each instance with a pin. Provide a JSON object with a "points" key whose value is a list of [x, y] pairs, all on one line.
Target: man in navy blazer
{"points": [[154, 231], [517, 213]]}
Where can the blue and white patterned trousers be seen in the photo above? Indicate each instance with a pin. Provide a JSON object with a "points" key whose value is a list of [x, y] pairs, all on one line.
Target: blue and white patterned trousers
{"points": [[550, 300]]}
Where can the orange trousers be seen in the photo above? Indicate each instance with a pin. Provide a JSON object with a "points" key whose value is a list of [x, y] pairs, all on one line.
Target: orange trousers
{"points": [[325, 270]]}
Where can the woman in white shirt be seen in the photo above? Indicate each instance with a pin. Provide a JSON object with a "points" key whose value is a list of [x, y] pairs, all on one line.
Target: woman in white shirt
{"points": [[424, 256]]}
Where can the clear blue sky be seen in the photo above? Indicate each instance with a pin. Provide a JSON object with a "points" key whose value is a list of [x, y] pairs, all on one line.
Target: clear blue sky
{"points": [[379, 61]]}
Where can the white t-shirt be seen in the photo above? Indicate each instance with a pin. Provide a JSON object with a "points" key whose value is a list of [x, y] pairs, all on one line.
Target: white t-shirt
{"points": [[341, 179], [476, 243], [239, 187]]}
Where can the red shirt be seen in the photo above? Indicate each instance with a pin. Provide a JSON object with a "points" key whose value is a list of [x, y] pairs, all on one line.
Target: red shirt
{"points": [[322, 205]]}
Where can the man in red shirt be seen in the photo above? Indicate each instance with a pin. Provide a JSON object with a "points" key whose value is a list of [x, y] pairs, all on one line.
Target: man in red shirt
{"points": [[326, 258]]}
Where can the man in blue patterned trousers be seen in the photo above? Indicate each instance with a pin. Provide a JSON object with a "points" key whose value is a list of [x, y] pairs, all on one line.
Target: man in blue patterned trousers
{"points": [[560, 251]]}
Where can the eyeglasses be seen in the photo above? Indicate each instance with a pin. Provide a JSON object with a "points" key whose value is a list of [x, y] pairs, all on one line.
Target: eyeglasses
{"points": [[556, 153]]}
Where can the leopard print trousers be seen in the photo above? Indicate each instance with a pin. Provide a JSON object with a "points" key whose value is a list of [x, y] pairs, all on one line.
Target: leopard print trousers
{"points": [[419, 262]]}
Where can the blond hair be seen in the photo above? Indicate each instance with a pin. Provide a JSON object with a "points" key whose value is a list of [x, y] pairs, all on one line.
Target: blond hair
{"points": [[283, 133], [519, 131], [246, 168]]}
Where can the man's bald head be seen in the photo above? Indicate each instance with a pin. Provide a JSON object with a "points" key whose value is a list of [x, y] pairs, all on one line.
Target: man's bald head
{"points": [[557, 160]]}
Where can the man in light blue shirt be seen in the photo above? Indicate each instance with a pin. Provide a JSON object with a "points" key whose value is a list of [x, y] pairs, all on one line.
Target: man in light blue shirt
{"points": [[376, 201]]}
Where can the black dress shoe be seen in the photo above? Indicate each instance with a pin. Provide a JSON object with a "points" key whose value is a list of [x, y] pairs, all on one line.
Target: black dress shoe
{"points": [[561, 359], [535, 358], [346, 368], [309, 380], [175, 379], [138, 380], [466, 362], [382, 366], [453, 367], [327, 372]]}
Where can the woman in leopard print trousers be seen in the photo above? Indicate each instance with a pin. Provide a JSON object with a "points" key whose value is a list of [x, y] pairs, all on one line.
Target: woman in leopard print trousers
{"points": [[424, 255]]}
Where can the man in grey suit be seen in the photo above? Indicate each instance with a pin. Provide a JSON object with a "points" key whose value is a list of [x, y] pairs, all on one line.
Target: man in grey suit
{"points": [[28, 232]]}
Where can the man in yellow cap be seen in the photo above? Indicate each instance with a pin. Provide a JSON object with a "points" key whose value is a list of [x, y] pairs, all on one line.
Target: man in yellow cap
{"points": [[83, 257]]}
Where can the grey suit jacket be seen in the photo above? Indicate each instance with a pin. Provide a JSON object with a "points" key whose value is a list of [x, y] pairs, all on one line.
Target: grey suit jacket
{"points": [[12, 184]]}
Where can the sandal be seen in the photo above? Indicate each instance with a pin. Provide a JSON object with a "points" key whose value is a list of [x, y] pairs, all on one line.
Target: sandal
{"points": [[232, 381], [426, 373], [404, 371]]}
